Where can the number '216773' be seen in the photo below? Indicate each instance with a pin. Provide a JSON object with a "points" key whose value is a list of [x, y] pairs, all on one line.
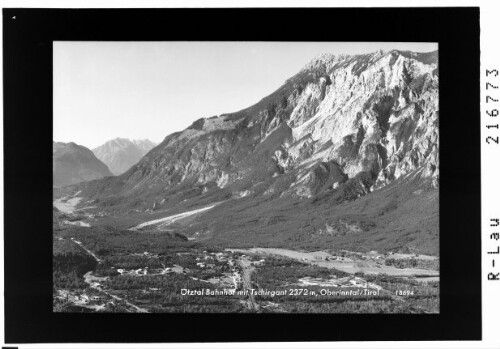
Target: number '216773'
{"points": [[490, 86]]}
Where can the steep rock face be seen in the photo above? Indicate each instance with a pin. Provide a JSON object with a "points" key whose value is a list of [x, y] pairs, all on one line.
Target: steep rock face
{"points": [[74, 163], [349, 124], [379, 114], [120, 153]]}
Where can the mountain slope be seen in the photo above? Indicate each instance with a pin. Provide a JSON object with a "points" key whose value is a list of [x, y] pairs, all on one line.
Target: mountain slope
{"points": [[120, 154], [145, 145], [74, 163], [343, 128]]}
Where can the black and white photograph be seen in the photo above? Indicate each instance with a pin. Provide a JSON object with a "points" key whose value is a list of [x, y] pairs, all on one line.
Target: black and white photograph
{"points": [[266, 175], [283, 177]]}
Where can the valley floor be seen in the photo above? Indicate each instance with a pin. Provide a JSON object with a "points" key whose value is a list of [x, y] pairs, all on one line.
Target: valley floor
{"points": [[371, 263], [154, 271]]}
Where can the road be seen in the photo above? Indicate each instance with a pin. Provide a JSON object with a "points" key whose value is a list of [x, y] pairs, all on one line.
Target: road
{"points": [[87, 250], [248, 269], [89, 279]]}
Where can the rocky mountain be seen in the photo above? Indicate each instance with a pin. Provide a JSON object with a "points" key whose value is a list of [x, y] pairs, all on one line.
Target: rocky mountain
{"points": [[73, 163], [145, 145], [345, 130], [121, 153]]}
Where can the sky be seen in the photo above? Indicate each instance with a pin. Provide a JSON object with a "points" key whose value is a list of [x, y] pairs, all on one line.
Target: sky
{"points": [[138, 90]]}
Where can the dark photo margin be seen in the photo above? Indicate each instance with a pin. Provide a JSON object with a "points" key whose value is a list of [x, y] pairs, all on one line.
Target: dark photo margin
{"points": [[28, 35]]}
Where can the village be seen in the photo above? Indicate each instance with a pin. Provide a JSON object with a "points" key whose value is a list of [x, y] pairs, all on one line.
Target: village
{"points": [[109, 284], [225, 267], [348, 281]]}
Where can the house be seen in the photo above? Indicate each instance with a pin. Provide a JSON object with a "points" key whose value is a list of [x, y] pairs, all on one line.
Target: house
{"points": [[84, 299]]}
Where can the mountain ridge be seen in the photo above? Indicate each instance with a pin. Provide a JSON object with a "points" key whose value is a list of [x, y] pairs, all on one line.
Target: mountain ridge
{"points": [[122, 153], [340, 129], [73, 163]]}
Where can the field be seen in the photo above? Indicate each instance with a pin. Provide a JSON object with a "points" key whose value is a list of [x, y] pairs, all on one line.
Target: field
{"points": [[348, 262]]}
